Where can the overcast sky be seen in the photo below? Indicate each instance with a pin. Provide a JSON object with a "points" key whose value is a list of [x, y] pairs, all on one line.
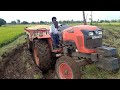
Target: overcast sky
{"points": [[61, 15]]}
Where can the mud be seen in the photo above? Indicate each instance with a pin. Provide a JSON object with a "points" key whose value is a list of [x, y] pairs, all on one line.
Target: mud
{"points": [[19, 64]]}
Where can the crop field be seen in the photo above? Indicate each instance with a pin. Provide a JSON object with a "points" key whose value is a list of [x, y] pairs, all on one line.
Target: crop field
{"points": [[22, 66], [9, 34], [111, 35]]}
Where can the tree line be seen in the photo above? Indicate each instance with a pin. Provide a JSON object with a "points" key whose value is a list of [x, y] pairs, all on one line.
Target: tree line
{"points": [[3, 22]]}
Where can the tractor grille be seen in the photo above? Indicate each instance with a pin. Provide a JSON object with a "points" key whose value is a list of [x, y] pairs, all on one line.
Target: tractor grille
{"points": [[93, 43]]}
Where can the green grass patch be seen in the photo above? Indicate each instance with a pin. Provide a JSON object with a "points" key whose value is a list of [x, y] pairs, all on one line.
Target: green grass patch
{"points": [[37, 76], [9, 33], [8, 48], [92, 72]]}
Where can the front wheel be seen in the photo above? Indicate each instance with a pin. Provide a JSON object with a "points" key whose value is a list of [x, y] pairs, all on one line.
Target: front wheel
{"points": [[67, 68]]}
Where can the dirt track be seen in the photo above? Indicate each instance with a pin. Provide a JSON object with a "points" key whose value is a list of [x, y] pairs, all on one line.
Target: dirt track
{"points": [[19, 64]]}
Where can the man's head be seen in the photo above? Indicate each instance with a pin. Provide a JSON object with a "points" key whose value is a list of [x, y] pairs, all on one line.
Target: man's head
{"points": [[55, 22], [54, 19]]}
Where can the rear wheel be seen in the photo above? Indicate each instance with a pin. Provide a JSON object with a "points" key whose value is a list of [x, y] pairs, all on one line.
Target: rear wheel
{"points": [[42, 55], [67, 68]]}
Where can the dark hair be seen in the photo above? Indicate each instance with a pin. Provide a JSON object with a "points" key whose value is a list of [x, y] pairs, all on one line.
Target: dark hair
{"points": [[53, 18]]}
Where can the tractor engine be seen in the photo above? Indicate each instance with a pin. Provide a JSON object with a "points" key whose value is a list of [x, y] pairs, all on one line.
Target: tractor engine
{"points": [[85, 41]]}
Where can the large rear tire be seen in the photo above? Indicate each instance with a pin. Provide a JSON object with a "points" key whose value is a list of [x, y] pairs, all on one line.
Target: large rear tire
{"points": [[67, 68], [42, 55]]}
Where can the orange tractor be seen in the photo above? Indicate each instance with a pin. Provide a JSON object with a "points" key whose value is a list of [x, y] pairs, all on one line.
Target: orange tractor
{"points": [[79, 46]]}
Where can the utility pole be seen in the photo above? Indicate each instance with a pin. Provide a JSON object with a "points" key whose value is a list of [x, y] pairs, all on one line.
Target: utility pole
{"points": [[86, 17], [91, 18], [84, 20]]}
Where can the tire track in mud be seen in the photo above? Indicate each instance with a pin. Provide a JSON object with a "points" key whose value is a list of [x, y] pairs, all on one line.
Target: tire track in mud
{"points": [[19, 64]]}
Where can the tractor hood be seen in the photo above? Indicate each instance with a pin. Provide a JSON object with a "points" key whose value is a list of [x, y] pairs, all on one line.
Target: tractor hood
{"points": [[62, 27]]}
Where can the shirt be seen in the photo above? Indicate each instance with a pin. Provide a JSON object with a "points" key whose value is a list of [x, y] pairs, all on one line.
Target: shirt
{"points": [[53, 29]]}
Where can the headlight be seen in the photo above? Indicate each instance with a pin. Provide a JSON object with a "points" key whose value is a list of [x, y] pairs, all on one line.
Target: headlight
{"points": [[90, 33], [100, 32]]}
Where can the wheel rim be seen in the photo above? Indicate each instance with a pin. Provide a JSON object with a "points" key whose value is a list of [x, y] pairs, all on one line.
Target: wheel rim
{"points": [[65, 72], [36, 56]]}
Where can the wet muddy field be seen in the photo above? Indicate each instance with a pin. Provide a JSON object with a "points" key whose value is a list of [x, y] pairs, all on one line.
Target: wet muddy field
{"points": [[19, 64]]}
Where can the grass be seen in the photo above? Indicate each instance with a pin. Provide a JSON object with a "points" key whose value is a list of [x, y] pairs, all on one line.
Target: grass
{"points": [[111, 36], [8, 48], [37, 76], [92, 72], [9, 33]]}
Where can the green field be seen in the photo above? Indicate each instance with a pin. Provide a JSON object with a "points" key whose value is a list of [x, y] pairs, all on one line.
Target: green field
{"points": [[9, 33]]}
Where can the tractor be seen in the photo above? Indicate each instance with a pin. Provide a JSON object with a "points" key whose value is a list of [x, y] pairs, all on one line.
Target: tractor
{"points": [[79, 46]]}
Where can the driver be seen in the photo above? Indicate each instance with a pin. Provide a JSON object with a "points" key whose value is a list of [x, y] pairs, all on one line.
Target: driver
{"points": [[54, 32]]}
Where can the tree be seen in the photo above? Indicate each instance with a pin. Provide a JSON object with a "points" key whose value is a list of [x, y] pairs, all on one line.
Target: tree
{"points": [[2, 22], [13, 22], [42, 22], [97, 21], [101, 21], [32, 22], [24, 22], [107, 21], [91, 18], [113, 20], [18, 21]]}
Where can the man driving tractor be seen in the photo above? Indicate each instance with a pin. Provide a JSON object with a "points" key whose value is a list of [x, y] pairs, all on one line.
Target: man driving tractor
{"points": [[54, 32]]}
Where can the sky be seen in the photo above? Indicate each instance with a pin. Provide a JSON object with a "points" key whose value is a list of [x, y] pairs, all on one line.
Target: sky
{"points": [[38, 16]]}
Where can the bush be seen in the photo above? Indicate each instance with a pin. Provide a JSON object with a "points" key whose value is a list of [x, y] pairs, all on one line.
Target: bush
{"points": [[2, 22], [24, 22]]}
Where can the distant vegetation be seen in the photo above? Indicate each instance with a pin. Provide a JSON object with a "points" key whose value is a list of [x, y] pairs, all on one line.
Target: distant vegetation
{"points": [[14, 22], [2, 22]]}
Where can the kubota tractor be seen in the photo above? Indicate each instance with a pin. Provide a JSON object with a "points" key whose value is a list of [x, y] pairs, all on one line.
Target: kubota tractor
{"points": [[80, 45]]}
